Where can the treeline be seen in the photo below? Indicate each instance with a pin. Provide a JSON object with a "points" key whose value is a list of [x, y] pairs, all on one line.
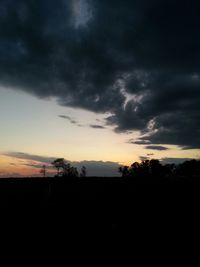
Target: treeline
{"points": [[153, 168], [144, 170]]}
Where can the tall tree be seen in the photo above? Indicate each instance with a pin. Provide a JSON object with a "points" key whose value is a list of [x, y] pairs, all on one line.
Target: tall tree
{"points": [[60, 165], [64, 169]]}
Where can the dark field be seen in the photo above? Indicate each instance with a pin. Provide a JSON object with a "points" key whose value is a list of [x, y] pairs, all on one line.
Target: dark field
{"points": [[114, 204], [63, 192], [113, 196]]}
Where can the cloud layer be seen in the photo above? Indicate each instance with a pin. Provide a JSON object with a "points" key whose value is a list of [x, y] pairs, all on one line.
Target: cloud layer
{"points": [[136, 60]]}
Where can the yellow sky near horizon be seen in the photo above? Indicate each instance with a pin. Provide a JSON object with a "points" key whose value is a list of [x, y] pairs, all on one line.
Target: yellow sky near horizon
{"points": [[33, 126]]}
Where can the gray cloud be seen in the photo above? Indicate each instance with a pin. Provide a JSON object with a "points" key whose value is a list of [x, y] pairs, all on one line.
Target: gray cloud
{"points": [[99, 168], [147, 49], [139, 142], [159, 148], [69, 119], [144, 158], [94, 126], [25, 156]]}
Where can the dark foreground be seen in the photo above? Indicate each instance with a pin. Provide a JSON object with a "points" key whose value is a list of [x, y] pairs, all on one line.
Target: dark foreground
{"points": [[114, 192], [112, 202]]}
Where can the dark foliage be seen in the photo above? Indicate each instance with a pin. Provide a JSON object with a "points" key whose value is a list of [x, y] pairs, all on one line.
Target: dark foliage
{"points": [[154, 169]]}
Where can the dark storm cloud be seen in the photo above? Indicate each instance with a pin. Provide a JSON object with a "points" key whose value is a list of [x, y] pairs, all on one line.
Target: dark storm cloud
{"points": [[148, 49], [159, 148]]}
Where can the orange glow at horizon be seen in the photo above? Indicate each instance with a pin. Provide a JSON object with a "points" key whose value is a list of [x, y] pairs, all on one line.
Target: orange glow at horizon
{"points": [[15, 167]]}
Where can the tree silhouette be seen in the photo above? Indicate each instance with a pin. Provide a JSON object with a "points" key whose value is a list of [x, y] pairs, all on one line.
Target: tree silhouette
{"points": [[189, 168], [59, 164], [155, 168], [147, 168], [124, 170], [64, 169], [135, 169]]}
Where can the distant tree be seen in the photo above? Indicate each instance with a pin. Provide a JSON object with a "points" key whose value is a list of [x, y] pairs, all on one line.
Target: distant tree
{"points": [[71, 172], [124, 170], [154, 169], [60, 165], [145, 168], [64, 169], [83, 172], [140, 169], [43, 171], [135, 169]]}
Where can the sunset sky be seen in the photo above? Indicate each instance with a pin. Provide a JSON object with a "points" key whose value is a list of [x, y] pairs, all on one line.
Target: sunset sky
{"points": [[100, 83]]}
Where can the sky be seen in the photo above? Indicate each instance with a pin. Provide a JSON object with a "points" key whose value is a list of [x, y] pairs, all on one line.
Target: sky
{"points": [[99, 83]]}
